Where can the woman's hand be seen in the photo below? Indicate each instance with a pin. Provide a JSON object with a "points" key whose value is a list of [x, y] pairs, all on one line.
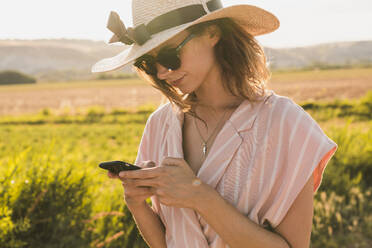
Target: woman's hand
{"points": [[135, 195], [171, 182]]}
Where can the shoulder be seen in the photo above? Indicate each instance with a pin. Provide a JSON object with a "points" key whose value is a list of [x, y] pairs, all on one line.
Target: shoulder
{"points": [[284, 119], [281, 103], [288, 122], [160, 115], [282, 109]]}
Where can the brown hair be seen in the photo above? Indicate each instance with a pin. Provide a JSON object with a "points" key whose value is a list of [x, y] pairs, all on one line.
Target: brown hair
{"points": [[241, 59]]}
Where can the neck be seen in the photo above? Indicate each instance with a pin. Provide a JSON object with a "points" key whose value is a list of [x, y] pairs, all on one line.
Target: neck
{"points": [[212, 95]]}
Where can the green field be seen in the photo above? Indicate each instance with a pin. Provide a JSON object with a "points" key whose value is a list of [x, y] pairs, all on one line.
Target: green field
{"points": [[52, 193], [80, 205]]}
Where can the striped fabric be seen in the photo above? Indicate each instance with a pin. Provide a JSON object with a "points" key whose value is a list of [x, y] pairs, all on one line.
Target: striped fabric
{"points": [[259, 162]]}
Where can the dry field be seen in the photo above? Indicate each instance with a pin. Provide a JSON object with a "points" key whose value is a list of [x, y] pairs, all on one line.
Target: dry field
{"points": [[300, 86]]}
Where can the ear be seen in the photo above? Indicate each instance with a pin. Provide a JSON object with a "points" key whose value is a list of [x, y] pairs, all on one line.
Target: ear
{"points": [[214, 34]]}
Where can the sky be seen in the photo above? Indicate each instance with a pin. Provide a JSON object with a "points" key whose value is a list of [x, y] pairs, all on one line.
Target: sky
{"points": [[302, 23]]}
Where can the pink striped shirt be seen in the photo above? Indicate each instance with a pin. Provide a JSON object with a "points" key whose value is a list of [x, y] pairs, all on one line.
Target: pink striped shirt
{"points": [[259, 162]]}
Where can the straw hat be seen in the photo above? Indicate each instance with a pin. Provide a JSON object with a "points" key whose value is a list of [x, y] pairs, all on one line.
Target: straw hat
{"points": [[156, 21]]}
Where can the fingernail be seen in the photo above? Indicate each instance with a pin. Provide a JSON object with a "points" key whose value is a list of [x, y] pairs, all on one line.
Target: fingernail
{"points": [[196, 182]]}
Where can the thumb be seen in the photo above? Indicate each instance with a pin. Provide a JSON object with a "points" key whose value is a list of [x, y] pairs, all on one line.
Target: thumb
{"points": [[171, 161], [149, 164]]}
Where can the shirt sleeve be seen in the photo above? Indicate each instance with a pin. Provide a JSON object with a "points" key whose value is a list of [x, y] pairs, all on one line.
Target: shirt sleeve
{"points": [[299, 148], [145, 153]]}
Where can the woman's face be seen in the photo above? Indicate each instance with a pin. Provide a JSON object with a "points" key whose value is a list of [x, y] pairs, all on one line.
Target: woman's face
{"points": [[197, 61]]}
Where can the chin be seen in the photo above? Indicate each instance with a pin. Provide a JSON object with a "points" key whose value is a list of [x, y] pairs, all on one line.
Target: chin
{"points": [[185, 90]]}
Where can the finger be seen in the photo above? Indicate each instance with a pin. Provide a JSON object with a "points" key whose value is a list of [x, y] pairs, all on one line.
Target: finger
{"points": [[111, 175], [143, 173], [171, 161], [149, 164], [140, 164], [126, 182], [134, 192], [142, 196], [133, 183], [146, 164], [146, 182]]}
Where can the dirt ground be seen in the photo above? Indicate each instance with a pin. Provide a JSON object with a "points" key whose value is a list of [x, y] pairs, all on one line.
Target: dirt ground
{"points": [[19, 102], [322, 90], [14, 102]]}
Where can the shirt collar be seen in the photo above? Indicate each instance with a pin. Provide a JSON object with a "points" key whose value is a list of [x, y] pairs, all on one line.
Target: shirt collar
{"points": [[241, 120]]}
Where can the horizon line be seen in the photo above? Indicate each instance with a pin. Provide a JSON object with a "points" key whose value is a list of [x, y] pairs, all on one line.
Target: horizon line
{"points": [[101, 40]]}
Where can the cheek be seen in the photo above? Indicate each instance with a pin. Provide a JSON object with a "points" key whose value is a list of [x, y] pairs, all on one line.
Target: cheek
{"points": [[197, 62]]}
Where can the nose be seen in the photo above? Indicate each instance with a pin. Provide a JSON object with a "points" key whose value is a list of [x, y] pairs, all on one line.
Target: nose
{"points": [[163, 72]]}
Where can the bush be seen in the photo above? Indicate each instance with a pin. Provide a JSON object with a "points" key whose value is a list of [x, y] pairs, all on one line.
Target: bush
{"points": [[340, 220], [359, 110], [49, 200], [342, 207], [14, 77], [95, 114], [351, 166], [43, 205]]}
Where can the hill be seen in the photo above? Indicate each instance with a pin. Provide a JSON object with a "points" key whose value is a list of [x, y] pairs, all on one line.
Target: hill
{"points": [[55, 59], [341, 53], [66, 59]]}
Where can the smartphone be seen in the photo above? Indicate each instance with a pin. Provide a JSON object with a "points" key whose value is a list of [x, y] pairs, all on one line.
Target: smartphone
{"points": [[116, 166]]}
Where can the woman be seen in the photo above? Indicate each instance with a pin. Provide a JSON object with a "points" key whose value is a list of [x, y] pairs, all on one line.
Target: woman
{"points": [[227, 163]]}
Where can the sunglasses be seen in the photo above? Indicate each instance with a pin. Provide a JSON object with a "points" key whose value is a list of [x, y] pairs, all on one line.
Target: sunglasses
{"points": [[167, 57]]}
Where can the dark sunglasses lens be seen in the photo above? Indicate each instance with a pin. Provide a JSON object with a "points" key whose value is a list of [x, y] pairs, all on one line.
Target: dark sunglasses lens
{"points": [[169, 58]]}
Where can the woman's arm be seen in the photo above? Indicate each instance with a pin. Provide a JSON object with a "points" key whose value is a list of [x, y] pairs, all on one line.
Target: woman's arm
{"points": [[238, 230], [150, 225], [234, 228]]}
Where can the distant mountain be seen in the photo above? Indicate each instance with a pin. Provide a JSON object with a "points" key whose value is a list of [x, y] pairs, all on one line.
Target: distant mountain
{"points": [[64, 59], [54, 59], [341, 53]]}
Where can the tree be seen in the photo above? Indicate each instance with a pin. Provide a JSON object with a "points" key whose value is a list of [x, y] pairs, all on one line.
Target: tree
{"points": [[15, 77]]}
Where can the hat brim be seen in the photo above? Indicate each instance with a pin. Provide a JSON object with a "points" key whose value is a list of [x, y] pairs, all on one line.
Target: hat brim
{"points": [[255, 20]]}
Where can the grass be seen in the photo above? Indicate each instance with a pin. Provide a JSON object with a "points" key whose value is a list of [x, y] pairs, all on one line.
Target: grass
{"points": [[50, 179], [358, 110], [322, 75], [51, 183]]}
